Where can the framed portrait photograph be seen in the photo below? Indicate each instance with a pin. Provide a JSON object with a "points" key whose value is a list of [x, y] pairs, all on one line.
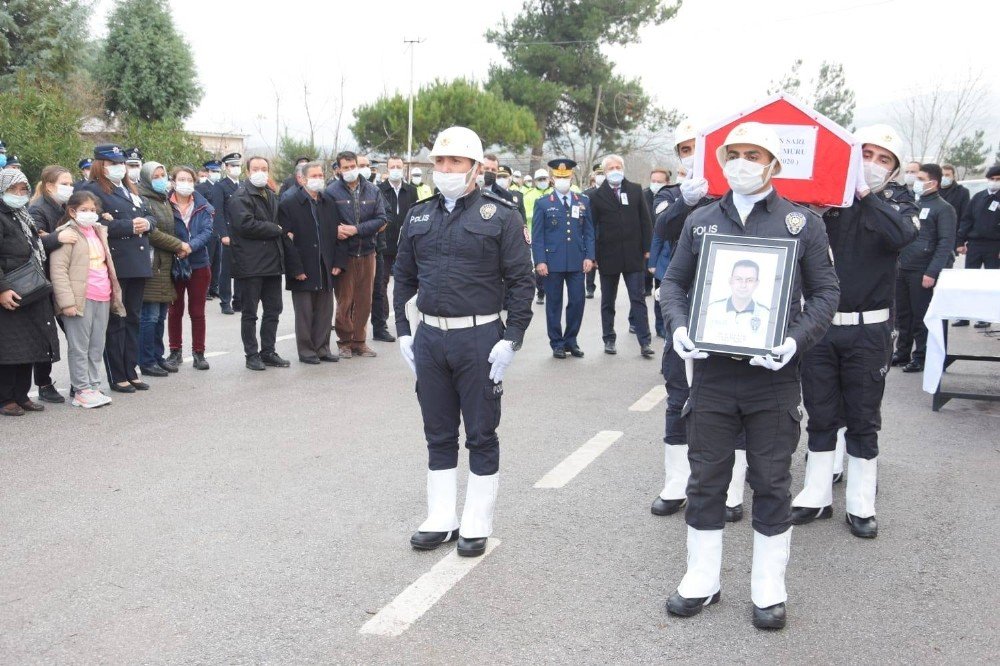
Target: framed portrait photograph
{"points": [[739, 302]]}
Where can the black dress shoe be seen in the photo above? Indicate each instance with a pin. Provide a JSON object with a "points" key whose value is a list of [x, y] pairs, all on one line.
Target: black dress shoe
{"points": [[50, 394], [471, 547], [228, 309], [559, 352], [139, 385], [31, 406], [609, 348], [168, 365], [123, 389], [960, 323], [541, 299], [864, 528], [254, 363], [803, 515], [647, 351], [590, 294], [329, 358], [684, 607], [199, 361], [431, 540], [982, 324], [914, 366], [662, 507], [734, 514], [838, 477], [309, 360], [383, 336], [772, 617], [272, 359], [153, 371], [576, 351], [900, 359]]}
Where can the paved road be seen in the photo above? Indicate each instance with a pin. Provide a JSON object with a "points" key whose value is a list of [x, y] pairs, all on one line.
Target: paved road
{"points": [[237, 517]]}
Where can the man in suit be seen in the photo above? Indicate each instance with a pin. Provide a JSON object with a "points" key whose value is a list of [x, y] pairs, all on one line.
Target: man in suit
{"points": [[624, 231], [399, 196], [229, 298]]}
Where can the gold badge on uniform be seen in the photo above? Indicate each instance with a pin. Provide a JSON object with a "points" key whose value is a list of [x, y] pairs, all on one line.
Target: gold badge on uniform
{"points": [[488, 210], [795, 222], [888, 194]]}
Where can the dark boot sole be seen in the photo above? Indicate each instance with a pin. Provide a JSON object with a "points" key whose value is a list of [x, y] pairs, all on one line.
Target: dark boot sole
{"points": [[684, 611], [669, 512], [822, 514], [422, 545], [769, 624]]}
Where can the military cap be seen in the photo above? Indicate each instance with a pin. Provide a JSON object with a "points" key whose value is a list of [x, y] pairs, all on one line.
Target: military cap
{"points": [[109, 152], [133, 155]]}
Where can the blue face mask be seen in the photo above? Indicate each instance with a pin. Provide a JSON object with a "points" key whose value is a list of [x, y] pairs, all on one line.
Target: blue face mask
{"points": [[159, 185], [3, 161]]}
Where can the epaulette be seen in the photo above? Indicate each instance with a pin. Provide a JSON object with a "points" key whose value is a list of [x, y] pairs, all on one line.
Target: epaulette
{"points": [[432, 197], [487, 194]]}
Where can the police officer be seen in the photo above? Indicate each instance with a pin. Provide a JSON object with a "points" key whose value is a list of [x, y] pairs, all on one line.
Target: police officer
{"points": [[979, 230], [133, 163], [843, 376], [494, 175], [459, 252], [920, 263], [213, 171], [424, 191], [760, 396], [84, 166], [13, 162], [229, 295], [562, 238]]}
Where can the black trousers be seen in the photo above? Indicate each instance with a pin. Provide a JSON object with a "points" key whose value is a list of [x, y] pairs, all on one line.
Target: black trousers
{"points": [[121, 347], [728, 395], [843, 381], [638, 315], [43, 370], [215, 261], [229, 289], [912, 300], [380, 294], [592, 281], [983, 254], [672, 367], [15, 381], [265, 291], [453, 386]]}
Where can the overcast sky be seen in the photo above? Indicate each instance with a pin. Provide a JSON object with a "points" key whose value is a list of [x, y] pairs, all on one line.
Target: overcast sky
{"points": [[716, 57]]}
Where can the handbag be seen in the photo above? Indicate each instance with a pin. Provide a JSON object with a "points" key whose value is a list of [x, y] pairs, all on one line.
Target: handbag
{"points": [[29, 282], [180, 270]]}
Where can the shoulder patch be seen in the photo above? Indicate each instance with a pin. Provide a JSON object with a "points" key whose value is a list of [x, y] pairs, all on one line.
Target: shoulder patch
{"points": [[488, 210], [795, 222]]}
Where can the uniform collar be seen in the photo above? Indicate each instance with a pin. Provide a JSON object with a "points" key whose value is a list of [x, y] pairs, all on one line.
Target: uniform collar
{"points": [[727, 204], [732, 308]]}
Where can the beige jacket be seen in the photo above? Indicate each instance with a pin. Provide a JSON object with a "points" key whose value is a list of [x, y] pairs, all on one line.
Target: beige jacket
{"points": [[69, 268]]}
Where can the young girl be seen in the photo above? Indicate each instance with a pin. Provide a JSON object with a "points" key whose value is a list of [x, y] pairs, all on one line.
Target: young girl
{"points": [[86, 292]]}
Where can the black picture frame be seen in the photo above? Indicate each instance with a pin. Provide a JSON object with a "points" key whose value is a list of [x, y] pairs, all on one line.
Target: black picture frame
{"points": [[740, 297]]}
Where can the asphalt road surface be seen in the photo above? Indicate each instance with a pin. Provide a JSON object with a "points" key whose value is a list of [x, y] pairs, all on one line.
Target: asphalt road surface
{"points": [[230, 516]]}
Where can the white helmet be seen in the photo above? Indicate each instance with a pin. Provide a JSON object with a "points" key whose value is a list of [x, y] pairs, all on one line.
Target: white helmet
{"points": [[757, 134], [416, 171], [684, 132], [458, 142], [883, 136], [516, 174], [541, 173]]}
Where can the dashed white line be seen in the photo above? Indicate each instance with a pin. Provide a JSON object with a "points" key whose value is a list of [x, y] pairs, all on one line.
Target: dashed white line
{"points": [[575, 462], [397, 616], [650, 400]]}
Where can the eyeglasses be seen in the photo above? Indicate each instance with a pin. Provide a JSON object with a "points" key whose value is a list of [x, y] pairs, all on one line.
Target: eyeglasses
{"points": [[744, 281]]}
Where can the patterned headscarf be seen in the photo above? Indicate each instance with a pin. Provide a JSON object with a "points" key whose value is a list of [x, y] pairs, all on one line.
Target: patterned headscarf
{"points": [[9, 178]]}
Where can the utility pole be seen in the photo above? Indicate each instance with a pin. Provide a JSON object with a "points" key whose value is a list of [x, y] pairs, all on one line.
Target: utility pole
{"points": [[409, 130]]}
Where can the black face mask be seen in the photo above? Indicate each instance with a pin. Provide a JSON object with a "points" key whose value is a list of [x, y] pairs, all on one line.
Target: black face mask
{"points": [[489, 178]]}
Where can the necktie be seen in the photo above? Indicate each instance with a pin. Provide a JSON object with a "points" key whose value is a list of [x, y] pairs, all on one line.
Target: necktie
{"points": [[617, 194], [566, 203]]}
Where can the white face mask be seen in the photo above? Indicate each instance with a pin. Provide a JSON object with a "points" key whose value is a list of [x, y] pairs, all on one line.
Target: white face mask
{"points": [[875, 175], [453, 185], [918, 187], [16, 201], [350, 175], [744, 176], [599, 179], [86, 218], [909, 178], [503, 182], [365, 172], [63, 193], [258, 178], [201, 180], [315, 184], [528, 183], [133, 174], [993, 186], [184, 188], [946, 181], [542, 184], [214, 176], [616, 177], [395, 175], [655, 187], [562, 185], [688, 163], [234, 172], [116, 172]]}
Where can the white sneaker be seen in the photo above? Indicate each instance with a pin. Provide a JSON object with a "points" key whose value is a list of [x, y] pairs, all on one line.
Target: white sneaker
{"points": [[103, 397], [88, 399]]}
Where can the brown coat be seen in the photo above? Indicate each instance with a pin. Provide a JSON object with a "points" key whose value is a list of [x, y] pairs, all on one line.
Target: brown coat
{"points": [[69, 267], [160, 285]]}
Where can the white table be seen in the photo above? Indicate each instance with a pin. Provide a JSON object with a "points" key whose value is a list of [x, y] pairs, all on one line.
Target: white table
{"points": [[958, 294]]}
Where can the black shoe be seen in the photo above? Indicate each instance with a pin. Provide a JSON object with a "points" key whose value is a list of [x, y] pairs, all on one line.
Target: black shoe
{"points": [[139, 385], [471, 547], [329, 358], [431, 540], [272, 359], [168, 365], [914, 366], [647, 351], [50, 394], [734, 514], [383, 336], [864, 528], [176, 357], [662, 507], [590, 294], [684, 607], [153, 371], [838, 477], [960, 323], [123, 389], [309, 360], [576, 351], [982, 324], [541, 299], [559, 352], [772, 617], [631, 329], [803, 515], [900, 359], [228, 309], [254, 363], [199, 361], [609, 348]]}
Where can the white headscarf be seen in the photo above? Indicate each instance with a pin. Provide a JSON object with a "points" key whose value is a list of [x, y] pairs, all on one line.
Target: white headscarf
{"points": [[9, 178]]}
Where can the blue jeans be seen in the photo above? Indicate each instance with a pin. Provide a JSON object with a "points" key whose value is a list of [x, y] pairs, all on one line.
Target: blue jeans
{"points": [[151, 321]]}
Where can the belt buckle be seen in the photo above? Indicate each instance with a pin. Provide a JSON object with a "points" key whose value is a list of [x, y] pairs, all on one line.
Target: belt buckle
{"points": [[443, 323]]}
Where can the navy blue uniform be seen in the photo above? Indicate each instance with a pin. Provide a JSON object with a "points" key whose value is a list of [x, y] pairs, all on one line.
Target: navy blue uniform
{"points": [[562, 237], [215, 243], [221, 193], [462, 264]]}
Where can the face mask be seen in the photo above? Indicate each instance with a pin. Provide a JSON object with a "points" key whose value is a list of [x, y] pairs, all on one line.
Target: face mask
{"points": [[258, 178], [489, 178], [202, 180], [116, 172], [875, 175], [63, 193], [744, 176], [503, 182], [395, 175], [562, 185], [365, 172], [542, 184], [214, 176], [599, 179], [86, 218], [315, 184], [452, 185], [16, 200], [184, 188], [616, 177], [909, 178], [416, 180], [159, 185], [655, 187], [480, 180], [3, 161], [528, 183], [919, 187], [350, 175], [993, 186], [946, 181], [688, 163], [234, 172], [133, 174]]}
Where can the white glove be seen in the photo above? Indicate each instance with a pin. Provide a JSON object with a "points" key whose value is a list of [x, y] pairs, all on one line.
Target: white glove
{"points": [[860, 185], [406, 349], [656, 295], [785, 351], [501, 356], [684, 346], [693, 190]]}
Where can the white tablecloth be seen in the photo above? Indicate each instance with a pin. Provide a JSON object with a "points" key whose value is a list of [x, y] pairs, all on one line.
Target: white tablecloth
{"points": [[958, 294]]}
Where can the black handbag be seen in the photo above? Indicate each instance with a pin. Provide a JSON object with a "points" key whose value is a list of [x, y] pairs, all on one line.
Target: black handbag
{"points": [[180, 270], [29, 282]]}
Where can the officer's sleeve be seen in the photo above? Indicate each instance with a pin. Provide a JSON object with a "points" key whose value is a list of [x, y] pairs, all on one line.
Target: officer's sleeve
{"points": [[946, 230], [404, 275], [538, 234], [518, 280], [820, 287], [673, 219], [657, 246], [520, 209], [677, 282], [894, 227], [589, 238], [965, 223]]}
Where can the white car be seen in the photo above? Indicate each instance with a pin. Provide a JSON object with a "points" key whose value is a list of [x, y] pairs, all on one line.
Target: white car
{"points": [[974, 185]]}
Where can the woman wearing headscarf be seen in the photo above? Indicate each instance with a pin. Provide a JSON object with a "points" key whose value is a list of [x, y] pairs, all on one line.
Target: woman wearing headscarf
{"points": [[27, 331]]}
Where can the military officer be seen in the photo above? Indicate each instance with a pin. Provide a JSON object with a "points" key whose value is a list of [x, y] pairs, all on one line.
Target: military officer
{"points": [[462, 254], [213, 169], [84, 166], [133, 163], [843, 376], [761, 396], [229, 297], [562, 238]]}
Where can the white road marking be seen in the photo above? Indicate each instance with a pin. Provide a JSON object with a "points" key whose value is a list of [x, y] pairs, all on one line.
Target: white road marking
{"points": [[650, 400], [397, 616], [290, 336], [575, 462]]}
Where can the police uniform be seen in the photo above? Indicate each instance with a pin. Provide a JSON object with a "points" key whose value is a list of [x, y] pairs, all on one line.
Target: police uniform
{"points": [[215, 243], [509, 193], [83, 165], [562, 237], [229, 294], [979, 231], [731, 325], [659, 251], [460, 264]]}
